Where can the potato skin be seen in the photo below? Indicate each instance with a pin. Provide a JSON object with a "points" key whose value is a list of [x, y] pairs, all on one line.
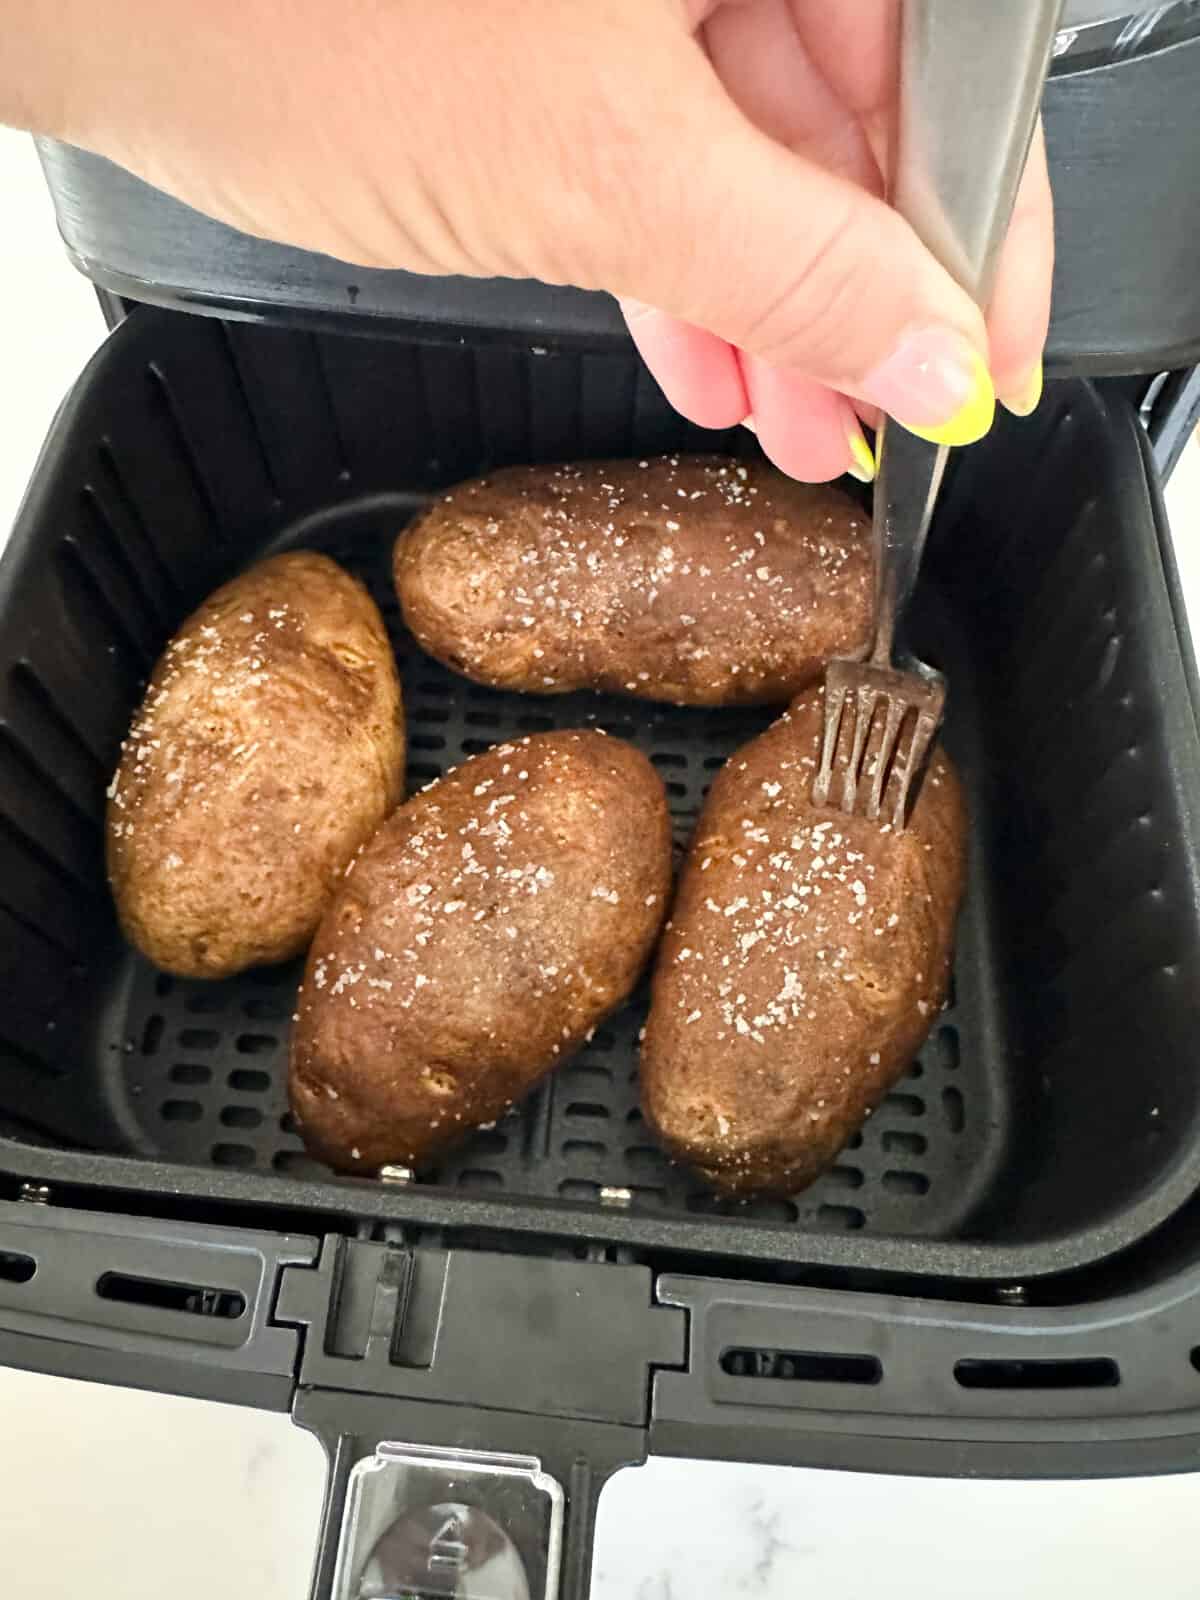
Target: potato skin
{"points": [[488, 927], [807, 956], [268, 747], [694, 580]]}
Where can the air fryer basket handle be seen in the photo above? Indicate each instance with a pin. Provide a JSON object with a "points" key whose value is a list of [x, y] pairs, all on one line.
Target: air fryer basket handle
{"points": [[499, 1390], [523, 1492]]}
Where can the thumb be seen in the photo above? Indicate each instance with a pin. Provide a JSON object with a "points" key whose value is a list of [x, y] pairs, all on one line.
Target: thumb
{"points": [[805, 271]]}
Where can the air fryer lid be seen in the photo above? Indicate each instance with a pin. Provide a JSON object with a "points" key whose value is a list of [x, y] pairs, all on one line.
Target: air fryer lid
{"points": [[1081, 13]]}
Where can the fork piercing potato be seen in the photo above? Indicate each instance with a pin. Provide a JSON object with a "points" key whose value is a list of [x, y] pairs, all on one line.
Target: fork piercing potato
{"points": [[475, 943], [807, 956], [269, 746], [695, 580]]}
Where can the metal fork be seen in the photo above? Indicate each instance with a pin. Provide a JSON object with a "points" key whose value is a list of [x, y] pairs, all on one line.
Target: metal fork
{"points": [[971, 79]]}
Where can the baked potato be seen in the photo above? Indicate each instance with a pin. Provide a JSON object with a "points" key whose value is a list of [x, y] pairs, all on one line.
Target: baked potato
{"points": [[807, 957], [268, 747], [477, 940], [694, 580]]}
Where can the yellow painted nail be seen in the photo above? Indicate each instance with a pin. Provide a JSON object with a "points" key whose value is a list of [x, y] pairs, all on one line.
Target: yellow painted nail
{"points": [[863, 465], [973, 419], [1026, 402]]}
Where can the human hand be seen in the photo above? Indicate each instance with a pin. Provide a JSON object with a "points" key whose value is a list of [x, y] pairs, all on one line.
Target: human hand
{"points": [[718, 160], [822, 81]]}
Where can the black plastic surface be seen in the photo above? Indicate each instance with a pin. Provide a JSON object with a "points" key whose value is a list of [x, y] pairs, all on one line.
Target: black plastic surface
{"points": [[561, 1338], [174, 1307], [1055, 1116], [1123, 150], [551, 1358], [1174, 415], [766, 1362]]}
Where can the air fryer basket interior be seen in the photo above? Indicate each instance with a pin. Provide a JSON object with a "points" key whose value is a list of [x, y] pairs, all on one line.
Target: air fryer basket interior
{"points": [[1054, 1114]]}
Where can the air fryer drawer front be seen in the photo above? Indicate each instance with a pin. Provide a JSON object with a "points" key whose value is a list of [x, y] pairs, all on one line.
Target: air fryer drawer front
{"points": [[473, 1404], [1123, 150]]}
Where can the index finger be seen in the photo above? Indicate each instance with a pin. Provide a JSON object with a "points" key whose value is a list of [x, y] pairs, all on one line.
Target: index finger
{"points": [[1019, 315]]}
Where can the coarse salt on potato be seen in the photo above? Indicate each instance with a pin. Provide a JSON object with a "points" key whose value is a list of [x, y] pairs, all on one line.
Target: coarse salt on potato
{"points": [[807, 957], [268, 747], [479, 938], [695, 580]]}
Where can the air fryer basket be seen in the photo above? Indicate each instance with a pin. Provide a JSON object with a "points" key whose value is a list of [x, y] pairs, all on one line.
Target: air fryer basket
{"points": [[1054, 1116]]}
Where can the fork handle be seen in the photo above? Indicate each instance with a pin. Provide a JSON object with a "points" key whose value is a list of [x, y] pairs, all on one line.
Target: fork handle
{"points": [[971, 80], [906, 491]]}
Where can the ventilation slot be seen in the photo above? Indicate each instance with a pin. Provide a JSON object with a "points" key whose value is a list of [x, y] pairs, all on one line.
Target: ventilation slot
{"points": [[100, 526], [43, 708], [802, 1366], [77, 575], [192, 1298], [118, 494], [39, 1065], [254, 431], [71, 877], [1096, 1372], [16, 1268], [189, 1072], [162, 399]]}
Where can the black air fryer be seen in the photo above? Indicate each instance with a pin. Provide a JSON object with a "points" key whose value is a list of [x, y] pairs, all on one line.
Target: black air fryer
{"points": [[1001, 1275]]}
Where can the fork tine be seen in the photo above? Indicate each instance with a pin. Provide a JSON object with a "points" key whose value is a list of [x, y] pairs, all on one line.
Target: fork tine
{"points": [[866, 699], [868, 691], [897, 709], [918, 751], [835, 704]]}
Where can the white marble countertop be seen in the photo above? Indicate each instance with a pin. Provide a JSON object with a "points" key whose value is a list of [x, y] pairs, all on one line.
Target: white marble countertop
{"points": [[126, 1496]]}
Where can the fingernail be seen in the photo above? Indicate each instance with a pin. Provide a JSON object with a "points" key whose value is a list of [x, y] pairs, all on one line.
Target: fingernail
{"points": [[1025, 402], [935, 384], [862, 466]]}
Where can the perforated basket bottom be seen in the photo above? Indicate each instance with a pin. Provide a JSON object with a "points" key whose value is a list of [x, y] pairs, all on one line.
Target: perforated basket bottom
{"points": [[205, 1065]]}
